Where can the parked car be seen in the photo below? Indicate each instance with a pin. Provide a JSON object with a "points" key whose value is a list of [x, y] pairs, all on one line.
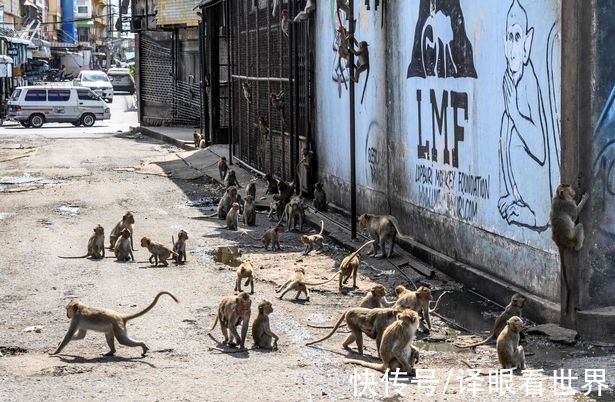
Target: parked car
{"points": [[121, 80], [97, 81], [35, 106]]}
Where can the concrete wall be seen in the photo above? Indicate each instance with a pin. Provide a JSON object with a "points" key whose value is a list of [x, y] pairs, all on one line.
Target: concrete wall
{"points": [[459, 132]]}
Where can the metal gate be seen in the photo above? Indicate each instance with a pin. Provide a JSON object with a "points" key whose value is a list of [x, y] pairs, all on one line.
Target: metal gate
{"points": [[265, 60]]}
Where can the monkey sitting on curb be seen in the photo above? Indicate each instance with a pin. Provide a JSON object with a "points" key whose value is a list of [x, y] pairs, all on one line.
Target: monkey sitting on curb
{"points": [[222, 168], [180, 246], [417, 301], [245, 271], [96, 245], [126, 223], [564, 214], [313, 240], [261, 331], [510, 354], [233, 311], [123, 246], [160, 252], [113, 324]]}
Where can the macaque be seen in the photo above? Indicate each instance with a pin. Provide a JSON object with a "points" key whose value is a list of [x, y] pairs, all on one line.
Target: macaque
{"points": [[230, 196], [232, 217], [197, 139], [261, 331], [249, 212], [362, 65], [180, 246], [275, 208], [127, 221], [222, 168], [381, 228], [272, 184], [285, 23], [417, 301], [231, 179], [123, 246], [564, 214], [285, 192], [320, 197], [160, 252], [233, 311], [247, 91], [510, 354], [273, 236], [251, 190], [293, 211], [113, 324], [396, 350], [297, 282], [313, 240], [350, 266], [514, 308], [262, 125], [345, 46], [376, 298], [278, 100], [203, 144], [371, 322], [96, 245], [245, 271]]}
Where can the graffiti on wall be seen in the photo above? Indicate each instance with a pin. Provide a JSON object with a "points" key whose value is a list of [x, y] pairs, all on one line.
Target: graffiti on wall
{"points": [[529, 133]]}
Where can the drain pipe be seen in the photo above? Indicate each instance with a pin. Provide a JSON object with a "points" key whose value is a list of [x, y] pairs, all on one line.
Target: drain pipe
{"points": [[353, 167]]}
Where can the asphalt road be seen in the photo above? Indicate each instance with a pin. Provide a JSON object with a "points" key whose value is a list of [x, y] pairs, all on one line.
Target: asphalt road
{"points": [[57, 183]]}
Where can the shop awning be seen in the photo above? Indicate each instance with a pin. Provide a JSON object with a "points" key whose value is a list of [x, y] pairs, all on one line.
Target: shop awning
{"points": [[19, 41], [5, 59]]}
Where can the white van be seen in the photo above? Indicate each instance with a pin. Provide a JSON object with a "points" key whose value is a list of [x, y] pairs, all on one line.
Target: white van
{"points": [[36, 105]]}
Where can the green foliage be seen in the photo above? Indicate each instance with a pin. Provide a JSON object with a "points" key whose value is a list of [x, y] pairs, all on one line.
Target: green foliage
{"points": [[132, 70]]}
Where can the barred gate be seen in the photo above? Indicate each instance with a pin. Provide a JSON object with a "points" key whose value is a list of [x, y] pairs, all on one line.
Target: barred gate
{"points": [[268, 61]]}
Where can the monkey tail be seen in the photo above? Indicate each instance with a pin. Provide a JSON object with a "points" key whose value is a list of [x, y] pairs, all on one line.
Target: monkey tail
{"points": [[472, 346], [395, 223], [330, 334], [214, 324], [438, 301], [278, 290], [200, 218], [322, 283], [70, 258], [353, 255], [365, 85], [322, 227], [323, 326], [245, 233], [151, 306], [375, 366]]}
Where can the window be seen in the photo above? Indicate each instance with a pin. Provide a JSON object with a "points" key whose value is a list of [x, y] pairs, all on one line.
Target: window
{"points": [[86, 94], [61, 95], [16, 94], [36, 95], [92, 77], [82, 10]]}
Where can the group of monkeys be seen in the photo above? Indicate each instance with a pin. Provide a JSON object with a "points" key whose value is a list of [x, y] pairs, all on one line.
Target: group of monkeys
{"points": [[393, 324]]}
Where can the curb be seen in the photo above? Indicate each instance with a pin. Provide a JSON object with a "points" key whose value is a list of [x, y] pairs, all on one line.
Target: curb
{"points": [[165, 138]]}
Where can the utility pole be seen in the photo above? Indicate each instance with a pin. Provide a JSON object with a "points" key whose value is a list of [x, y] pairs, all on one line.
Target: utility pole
{"points": [[353, 166]]}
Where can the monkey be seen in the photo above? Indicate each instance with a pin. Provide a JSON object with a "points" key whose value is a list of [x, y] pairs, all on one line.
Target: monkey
{"points": [[231, 179], [320, 197], [261, 331], [285, 192], [371, 322], [285, 23], [344, 49], [245, 271], [381, 228], [564, 214], [262, 125], [396, 349], [251, 190], [350, 266], [123, 246], [112, 323], [96, 245], [514, 308], [376, 298], [297, 282], [160, 252], [232, 311], [293, 211], [127, 221], [306, 162], [272, 184], [197, 139], [510, 354], [180, 246], [342, 5], [271, 236], [418, 301], [224, 205], [203, 144], [316, 239], [277, 100], [247, 91], [362, 65], [232, 217], [222, 167], [249, 212], [275, 208]]}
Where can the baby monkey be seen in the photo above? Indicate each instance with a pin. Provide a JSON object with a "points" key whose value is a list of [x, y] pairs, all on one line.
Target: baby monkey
{"points": [[96, 245], [313, 240], [261, 331], [564, 214], [180, 246], [123, 246], [245, 271], [160, 252], [222, 168]]}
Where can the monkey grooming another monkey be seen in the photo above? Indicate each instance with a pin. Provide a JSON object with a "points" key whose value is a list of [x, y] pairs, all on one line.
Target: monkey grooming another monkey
{"points": [[245, 271], [113, 324], [261, 331], [418, 301], [222, 167], [514, 308], [126, 223], [320, 197], [510, 354], [180, 246], [160, 252], [371, 322], [564, 214], [249, 211], [96, 245], [272, 184], [232, 218], [123, 246], [381, 228], [313, 240], [233, 311], [396, 349]]}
